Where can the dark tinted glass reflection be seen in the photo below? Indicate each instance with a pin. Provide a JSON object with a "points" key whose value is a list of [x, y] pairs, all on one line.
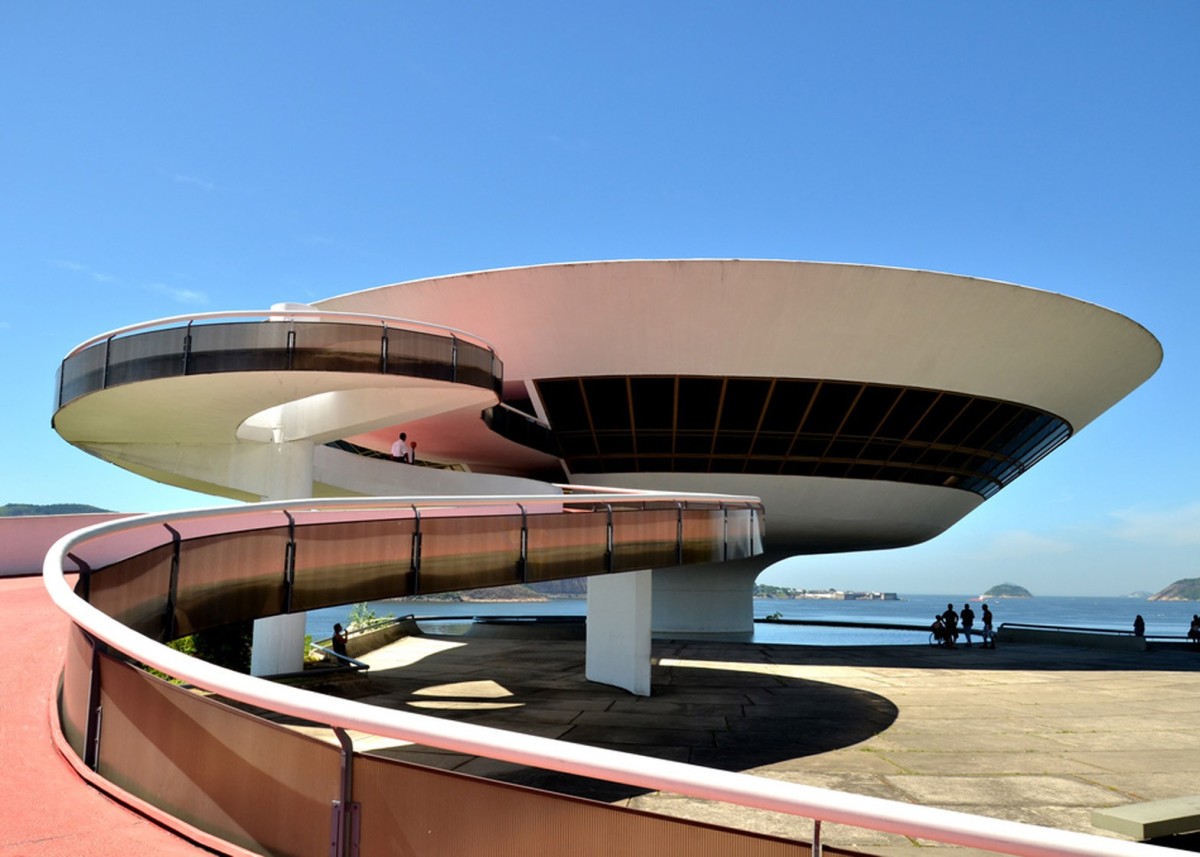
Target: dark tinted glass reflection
{"points": [[792, 426]]}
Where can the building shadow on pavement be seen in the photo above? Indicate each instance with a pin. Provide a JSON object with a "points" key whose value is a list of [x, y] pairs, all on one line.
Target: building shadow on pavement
{"points": [[704, 710]]}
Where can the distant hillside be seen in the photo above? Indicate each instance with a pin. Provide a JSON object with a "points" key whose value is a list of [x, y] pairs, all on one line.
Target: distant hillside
{"points": [[763, 590], [548, 590], [1187, 589], [1008, 590], [17, 510], [572, 587], [513, 592]]}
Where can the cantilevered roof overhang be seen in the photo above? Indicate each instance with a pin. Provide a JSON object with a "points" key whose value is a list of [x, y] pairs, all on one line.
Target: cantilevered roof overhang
{"points": [[822, 322]]}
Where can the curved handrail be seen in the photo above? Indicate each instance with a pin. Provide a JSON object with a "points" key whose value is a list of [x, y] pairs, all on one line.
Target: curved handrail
{"points": [[279, 315], [352, 663], [657, 774]]}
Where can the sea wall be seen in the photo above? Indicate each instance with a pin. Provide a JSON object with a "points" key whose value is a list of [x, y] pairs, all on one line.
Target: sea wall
{"points": [[1114, 642]]}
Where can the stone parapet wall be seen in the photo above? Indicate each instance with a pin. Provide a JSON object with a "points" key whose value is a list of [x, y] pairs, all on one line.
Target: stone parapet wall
{"points": [[1116, 642]]}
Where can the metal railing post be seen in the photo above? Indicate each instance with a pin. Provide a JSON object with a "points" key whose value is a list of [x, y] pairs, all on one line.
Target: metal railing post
{"points": [[523, 562], [415, 560], [609, 548], [91, 732], [678, 533], [187, 348], [725, 533], [84, 585], [107, 358], [169, 624], [346, 815], [817, 849], [289, 564]]}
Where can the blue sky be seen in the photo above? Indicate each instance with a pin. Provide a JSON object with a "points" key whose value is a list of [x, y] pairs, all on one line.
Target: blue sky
{"points": [[159, 159]]}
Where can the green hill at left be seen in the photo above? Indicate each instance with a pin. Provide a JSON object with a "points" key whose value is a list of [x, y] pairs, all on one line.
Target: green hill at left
{"points": [[17, 510]]}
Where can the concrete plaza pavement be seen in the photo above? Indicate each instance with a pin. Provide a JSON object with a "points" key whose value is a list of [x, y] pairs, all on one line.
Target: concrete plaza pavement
{"points": [[1034, 733]]}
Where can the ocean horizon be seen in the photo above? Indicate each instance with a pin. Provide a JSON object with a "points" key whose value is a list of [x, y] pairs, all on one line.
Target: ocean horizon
{"points": [[1162, 618]]}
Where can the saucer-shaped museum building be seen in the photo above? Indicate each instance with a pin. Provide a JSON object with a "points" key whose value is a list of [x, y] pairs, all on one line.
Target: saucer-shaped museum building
{"points": [[868, 407]]}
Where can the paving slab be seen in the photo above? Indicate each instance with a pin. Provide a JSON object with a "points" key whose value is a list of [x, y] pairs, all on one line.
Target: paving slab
{"points": [[987, 763], [1032, 733]]}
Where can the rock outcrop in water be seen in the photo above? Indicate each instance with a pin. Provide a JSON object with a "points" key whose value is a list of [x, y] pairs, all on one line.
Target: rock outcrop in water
{"points": [[1187, 589], [1008, 590]]}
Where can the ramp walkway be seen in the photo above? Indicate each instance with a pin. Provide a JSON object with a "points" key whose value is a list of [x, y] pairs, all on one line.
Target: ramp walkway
{"points": [[48, 810]]}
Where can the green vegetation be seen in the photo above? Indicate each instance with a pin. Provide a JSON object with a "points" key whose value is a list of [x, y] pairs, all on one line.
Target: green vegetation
{"points": [[17, 510], [226, 646], [1008, 590], [1187, 589], [762, 590], [363, 615]]}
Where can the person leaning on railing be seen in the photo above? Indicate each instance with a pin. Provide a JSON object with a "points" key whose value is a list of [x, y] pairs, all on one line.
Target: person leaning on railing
{"points": [[401, 450]]}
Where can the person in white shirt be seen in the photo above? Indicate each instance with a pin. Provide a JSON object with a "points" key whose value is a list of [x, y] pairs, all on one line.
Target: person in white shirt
{"points": [[401, 451]]}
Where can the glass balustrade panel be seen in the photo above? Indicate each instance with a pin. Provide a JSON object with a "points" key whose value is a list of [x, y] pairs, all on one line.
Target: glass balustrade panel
{"points": [[346, 563], [230, 578]]}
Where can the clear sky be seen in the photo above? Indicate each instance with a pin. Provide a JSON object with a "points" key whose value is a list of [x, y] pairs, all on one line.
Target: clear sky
{"points": [[164, 158]]}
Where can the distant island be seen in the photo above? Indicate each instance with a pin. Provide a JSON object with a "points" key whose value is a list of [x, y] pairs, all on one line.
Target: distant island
{"points": [[786, 593], [18, 510], [1187, 589], [1008, 590]]}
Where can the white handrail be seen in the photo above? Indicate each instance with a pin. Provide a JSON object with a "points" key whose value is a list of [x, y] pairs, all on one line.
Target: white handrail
{"points": [[282, 314], [826, 805]]}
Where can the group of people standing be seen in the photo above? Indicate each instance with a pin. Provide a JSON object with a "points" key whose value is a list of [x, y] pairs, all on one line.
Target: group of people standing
{"points": [[945, 626]]}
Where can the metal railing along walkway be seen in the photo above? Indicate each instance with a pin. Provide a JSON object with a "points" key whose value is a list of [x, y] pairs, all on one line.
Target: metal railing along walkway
{"points": [[235, 775]]}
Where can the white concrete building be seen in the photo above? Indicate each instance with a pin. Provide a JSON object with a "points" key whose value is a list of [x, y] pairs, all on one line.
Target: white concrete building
{"points": [[868, 407]]}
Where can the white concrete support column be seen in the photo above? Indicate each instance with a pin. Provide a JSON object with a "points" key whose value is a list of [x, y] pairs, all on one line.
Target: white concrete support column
{"points": [[278, 645], [618, 630], [706, 600]]}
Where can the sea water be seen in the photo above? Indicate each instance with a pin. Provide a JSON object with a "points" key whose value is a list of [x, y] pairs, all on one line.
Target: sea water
{"points": [[1169, 618]]}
